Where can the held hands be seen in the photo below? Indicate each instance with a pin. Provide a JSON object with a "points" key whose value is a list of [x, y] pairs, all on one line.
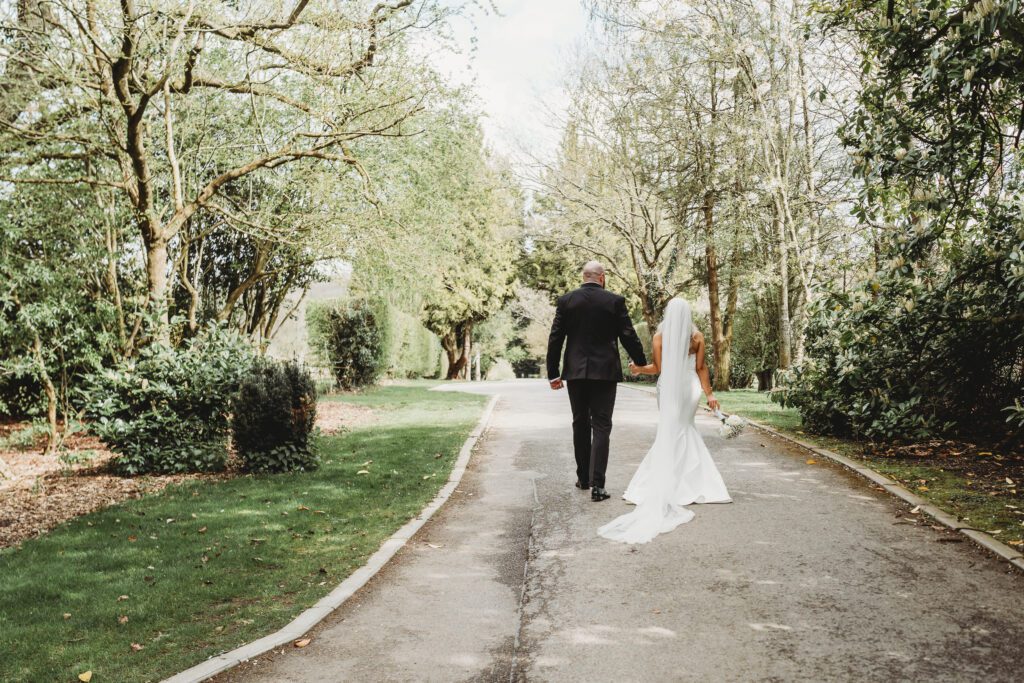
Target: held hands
{"points": [[556, 383], [634, 369]]}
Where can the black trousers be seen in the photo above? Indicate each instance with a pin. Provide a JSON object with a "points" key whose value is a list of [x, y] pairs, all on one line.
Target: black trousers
{"points": [[592, 402]]}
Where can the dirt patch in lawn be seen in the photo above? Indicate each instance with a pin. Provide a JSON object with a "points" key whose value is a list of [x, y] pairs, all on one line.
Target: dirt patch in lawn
{"points": [[47, 490], [333, 417], [35, 507]]}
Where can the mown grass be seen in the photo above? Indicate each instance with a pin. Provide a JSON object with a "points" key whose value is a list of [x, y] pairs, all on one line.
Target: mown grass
{"points": [[203, 567], [997, 509]]}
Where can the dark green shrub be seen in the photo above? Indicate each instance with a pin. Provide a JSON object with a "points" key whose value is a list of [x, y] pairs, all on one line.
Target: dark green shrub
{"points": [[921, 349], [274, 418], [167, 411], [352, 338]]}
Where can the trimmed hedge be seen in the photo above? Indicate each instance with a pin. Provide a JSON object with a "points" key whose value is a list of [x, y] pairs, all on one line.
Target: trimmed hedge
{"points": [[274, 418]]}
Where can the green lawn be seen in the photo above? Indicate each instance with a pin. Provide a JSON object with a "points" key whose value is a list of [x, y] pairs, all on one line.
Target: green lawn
{"points": [[206, 566], [978, 494]]}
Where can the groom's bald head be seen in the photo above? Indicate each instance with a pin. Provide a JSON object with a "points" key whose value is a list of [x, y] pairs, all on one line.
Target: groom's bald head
{"points": [[593, 271]]}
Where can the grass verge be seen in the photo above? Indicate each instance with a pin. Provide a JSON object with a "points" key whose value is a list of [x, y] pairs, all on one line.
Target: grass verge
{"points": [[981, 487], [149, 587]]}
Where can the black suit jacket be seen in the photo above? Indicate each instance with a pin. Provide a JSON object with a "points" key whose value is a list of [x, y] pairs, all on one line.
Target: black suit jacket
{"points": [[589, 321]]}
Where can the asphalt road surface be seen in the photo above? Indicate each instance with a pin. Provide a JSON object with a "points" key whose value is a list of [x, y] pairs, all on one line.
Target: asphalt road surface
{"points": [[809, 575]]}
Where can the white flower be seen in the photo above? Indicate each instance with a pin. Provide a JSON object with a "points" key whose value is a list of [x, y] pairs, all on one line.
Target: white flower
{"points": [[732, 425]]}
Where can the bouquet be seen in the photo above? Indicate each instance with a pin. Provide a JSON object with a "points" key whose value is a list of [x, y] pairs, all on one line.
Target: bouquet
{"points": [[732, 425]]}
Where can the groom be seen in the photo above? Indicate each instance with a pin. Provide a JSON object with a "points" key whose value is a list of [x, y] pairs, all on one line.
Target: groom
{"points": [[588, 321]]}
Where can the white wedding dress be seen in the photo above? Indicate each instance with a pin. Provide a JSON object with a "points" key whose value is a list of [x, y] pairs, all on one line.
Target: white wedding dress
{"points": [[678, 469]]}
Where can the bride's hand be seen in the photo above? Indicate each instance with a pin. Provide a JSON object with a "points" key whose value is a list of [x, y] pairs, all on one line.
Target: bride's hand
{"points": [[634, 369], [713, 402]]}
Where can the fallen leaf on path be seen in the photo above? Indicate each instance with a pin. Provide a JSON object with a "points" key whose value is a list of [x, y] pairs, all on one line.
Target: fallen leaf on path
{"points": [[1009, 481], [136, 647], [812, 461], [433, 546], [123, 619], [1015, 542], [303, 643], [85, 676], [915, 510], [922, 488]]}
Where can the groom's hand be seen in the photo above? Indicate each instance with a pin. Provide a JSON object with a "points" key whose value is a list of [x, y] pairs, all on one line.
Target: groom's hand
{"points": [[556, 383]]}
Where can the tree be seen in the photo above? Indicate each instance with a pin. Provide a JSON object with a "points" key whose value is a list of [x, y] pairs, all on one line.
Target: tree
{"points": [[710, 161], [475, 279], [173, 105], [936, 139]]}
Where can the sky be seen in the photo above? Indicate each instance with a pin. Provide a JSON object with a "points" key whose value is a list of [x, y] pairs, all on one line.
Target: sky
{"points": [[518, 68]]}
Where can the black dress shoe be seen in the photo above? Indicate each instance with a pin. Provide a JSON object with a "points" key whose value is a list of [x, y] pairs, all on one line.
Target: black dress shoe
{"points": [[598, 494], [580, 485]]}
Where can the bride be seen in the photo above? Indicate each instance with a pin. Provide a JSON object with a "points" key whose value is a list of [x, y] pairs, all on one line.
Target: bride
{"points": [[678, 469]]}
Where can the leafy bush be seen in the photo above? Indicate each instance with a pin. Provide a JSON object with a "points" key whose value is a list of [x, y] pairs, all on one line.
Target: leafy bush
{"points": [[352, 339], [167, 411], [412, 351], [274, 417], [921, 349], [27, 437]]}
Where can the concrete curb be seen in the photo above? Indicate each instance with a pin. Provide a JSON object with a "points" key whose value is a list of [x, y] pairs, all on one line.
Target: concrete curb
{"points": [[986, 541], [347, 588]]}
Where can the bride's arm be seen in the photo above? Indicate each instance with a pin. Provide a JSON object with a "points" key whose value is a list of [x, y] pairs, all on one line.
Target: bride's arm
{"points": [[652, 368], [703, 373]]}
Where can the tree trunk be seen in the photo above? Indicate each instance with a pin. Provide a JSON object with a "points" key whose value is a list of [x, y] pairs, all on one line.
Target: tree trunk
{"points": [[156, 282], [467, 350], [764, 380], [456, 347], [729, 321], [720, 355], [785, 328], [53, 435]]}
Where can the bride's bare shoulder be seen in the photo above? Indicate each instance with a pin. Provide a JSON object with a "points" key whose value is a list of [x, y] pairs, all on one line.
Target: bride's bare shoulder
{"points": [[698, 337]]}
